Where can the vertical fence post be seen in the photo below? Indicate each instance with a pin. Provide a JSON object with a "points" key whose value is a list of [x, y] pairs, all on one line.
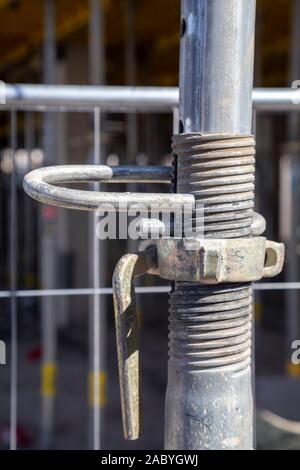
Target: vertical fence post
{"points": [[48, 247], [13, 285], [97, 312], [97, 320], [130, 76]]}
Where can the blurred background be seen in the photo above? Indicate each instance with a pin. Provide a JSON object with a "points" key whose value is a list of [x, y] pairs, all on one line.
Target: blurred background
{"points": [[124, 42]]}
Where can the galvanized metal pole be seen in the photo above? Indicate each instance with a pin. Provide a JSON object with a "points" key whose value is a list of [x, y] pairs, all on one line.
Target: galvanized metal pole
{"points": [[122, 99], [209, 395], [97, 313], [96, 44], [130, 76], [48, 247]]}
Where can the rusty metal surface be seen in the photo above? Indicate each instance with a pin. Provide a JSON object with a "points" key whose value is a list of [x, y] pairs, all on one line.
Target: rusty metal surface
{"points": [[218, 169], [209, 261]]}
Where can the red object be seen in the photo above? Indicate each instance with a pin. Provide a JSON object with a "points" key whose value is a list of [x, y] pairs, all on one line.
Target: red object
{"points": [[34, 354], [23, 439], [49, 212]]}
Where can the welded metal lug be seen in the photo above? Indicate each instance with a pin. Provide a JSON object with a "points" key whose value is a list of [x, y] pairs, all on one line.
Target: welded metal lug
{"points": [[126, 321], [214, 261], [274, 259], [258, 225]]}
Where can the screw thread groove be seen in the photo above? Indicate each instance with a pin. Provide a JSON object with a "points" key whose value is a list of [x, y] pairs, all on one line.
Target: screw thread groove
{"points": [[210, 326]]}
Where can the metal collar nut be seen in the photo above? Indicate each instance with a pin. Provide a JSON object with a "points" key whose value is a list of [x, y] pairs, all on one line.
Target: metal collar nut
{"points": [[213, 261]]}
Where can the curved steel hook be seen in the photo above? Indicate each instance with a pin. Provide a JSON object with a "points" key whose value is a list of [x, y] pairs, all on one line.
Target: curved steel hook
{"points": [[41, 185]]}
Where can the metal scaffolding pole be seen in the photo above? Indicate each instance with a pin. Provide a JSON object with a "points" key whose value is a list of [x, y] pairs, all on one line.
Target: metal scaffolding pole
{"points": [[123, 99], [48, 247], [209, 395], [130, 75], [97, 313]]}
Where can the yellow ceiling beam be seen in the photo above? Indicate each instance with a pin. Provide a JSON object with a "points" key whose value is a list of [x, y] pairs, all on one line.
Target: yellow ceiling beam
{"points": [[73, 24], [4, 3], [21, 51], [66, 27], [69, 25]]}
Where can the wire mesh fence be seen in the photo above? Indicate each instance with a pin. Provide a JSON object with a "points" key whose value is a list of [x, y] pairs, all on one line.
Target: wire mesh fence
{"points": [[30, 113]]}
